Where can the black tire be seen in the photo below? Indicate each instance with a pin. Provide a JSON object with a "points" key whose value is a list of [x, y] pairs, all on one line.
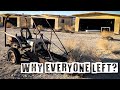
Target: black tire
{"points": [[13, 55]]}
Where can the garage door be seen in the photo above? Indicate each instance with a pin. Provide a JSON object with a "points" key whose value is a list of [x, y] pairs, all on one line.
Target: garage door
{"points": [[95, 24]]}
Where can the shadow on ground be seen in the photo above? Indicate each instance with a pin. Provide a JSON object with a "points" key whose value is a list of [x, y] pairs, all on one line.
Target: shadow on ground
{"points": [[115, 40], [106, 76], [116, 52]]}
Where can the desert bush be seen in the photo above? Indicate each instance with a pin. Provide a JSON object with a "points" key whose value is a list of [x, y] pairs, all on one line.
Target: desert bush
{"points": [[104, 44], [67, 31], [68, 27], [115, 46], [40, 27], [70, 44], [59, 28], [80, 52], [106, 35], [9, 25]]}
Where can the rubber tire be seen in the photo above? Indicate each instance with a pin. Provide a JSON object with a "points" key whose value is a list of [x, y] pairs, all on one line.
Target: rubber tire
{"points": [[16, 53]]}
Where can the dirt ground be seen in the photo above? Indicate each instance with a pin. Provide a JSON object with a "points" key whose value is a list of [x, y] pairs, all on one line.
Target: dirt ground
{"points": [[88, 40]]}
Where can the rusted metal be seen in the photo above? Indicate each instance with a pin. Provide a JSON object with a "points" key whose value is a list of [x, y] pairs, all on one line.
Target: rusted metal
{"points": [[36, 48]]}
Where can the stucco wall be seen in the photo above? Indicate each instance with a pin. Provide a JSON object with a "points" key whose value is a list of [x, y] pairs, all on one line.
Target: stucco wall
{"points": [[67, 21], [116, 23], [23, 23], [58, 24]]}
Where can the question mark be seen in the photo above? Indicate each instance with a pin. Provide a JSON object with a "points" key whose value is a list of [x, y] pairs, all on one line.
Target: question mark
{"points": [[114, 66]]}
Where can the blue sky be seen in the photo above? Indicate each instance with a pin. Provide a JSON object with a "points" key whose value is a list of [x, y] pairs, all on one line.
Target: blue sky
{"points": [[56, 12]]}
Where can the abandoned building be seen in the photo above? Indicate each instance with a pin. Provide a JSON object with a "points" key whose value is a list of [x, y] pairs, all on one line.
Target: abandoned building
{"points": [[95, 21], [15, 20], [56, 21]]}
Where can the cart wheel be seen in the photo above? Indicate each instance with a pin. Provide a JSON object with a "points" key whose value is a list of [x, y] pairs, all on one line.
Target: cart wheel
{"points": [[15, 45], [13, 55]]}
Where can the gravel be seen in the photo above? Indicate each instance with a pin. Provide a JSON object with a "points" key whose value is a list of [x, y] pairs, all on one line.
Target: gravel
{"points": [[10, 71]]}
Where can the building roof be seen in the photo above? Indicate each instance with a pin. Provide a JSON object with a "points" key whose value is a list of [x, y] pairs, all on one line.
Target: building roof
{"points": [[12, 14], [94, 13], [51, 15], [42, 15]]}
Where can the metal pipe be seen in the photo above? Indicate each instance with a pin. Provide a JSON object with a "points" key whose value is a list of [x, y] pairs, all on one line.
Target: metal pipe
{"points": [[57, 37], [5, 31], [46, 48], [5, 22]]}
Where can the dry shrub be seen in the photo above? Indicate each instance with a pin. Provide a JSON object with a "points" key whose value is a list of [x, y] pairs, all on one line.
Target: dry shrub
{"points": [[107, 47], [68, 27], [90, 55], [59, 28], [75, 55], [40, 27], [82, 45], [70, 44], [115, 47], [80, 52], [9, 25], [103, 44], [87, 50], [106, 34]]}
